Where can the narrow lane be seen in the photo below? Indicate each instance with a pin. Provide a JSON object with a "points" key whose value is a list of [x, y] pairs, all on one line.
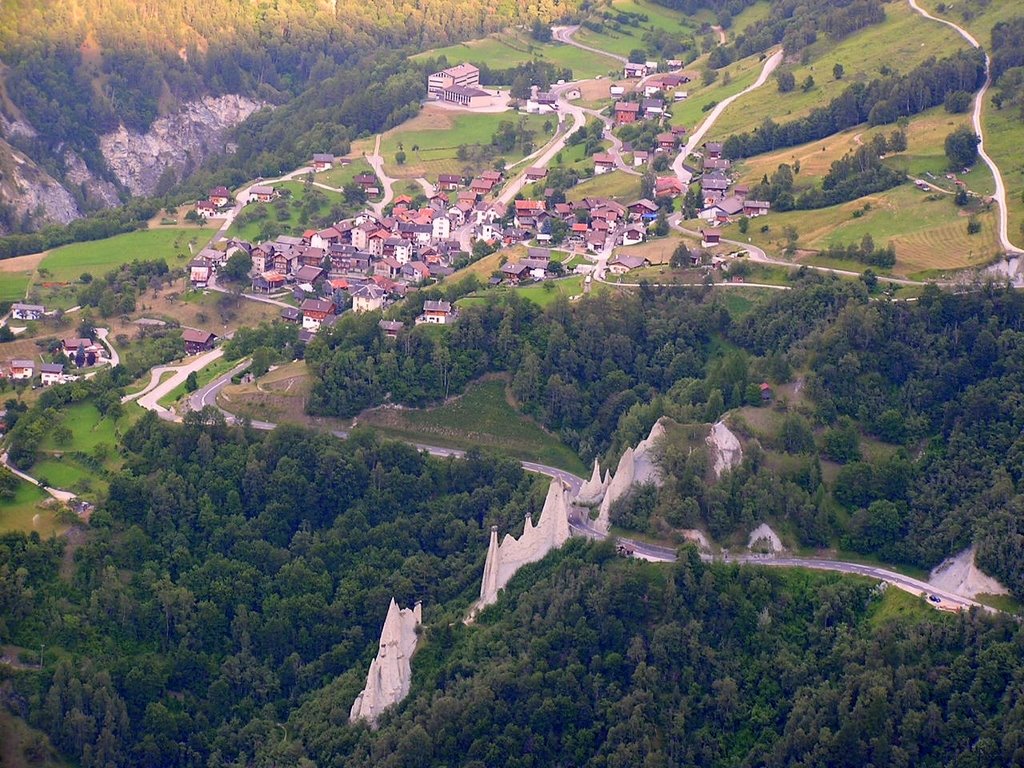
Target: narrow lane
{"points": [[979, 101]]}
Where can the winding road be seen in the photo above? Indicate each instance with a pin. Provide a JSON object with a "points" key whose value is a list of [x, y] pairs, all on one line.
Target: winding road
{"points": [[565, 35], [979, 102], [207, 396], [698, 134]]}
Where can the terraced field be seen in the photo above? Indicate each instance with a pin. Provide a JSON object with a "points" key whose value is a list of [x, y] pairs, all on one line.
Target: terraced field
{"points": [[927, 230]]}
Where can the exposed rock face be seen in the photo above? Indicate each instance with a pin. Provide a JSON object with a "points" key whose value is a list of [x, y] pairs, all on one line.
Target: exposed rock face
{"points": [[537, 540], [387, 683], [32, 191], [98, 191], [592, 491], [636, 467], [764, 536], [180, 141], [961, 576], [726, 451]]}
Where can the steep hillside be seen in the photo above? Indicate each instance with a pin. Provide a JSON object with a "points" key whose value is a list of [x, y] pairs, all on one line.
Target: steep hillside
{"points": [[97, 77]]}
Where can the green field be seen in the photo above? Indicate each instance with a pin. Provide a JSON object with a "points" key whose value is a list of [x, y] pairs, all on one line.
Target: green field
{"points": [[98, 257], [618, 185], [22, 513], [757, 12], [927, 230], [508, 49], [926, 134], [482, 417], [431, 141], [13, 285], [88, 429], [65, 473], [622, 39], [692, 112], [339, 176], [903, 41], [289, 216]]}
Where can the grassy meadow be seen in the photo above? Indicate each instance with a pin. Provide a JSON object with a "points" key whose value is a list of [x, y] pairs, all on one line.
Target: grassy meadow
{"points": [[66, 263], [506, 49], [431, 141], [482, 417], [618, 185], [903, 41]]}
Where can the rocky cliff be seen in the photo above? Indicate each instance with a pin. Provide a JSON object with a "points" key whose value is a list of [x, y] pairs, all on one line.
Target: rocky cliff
{"points": [[31, 192], [537, 540], [388, 680], [181, 141]]}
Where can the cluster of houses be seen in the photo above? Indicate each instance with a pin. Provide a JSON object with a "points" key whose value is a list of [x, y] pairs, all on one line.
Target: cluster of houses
{"points": [[627, 112], [81, 352], [722, 202], [216, 201], [593, 224]]}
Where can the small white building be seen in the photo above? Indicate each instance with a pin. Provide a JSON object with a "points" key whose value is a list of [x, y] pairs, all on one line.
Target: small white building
{"points": [[51, 373], [442, 227], [367, 298], [27, 311]]}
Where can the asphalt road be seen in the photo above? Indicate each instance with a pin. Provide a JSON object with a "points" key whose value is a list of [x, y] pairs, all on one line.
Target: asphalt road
{"points": [[207, 396], [698, 134]]}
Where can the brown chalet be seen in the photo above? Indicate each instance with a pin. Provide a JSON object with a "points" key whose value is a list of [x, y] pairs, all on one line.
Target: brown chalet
{"points": [[197, 341], [626, 112]]}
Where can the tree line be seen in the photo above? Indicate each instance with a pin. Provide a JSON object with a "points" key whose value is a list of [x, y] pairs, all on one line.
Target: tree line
{"points": [[881, 101]]}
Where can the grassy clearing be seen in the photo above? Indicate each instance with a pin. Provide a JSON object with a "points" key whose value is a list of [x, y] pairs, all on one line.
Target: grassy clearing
{"points": [[488, 264], [436, 134], [13, 285], [617, 185], [541, 293], [895, 605], [750, 15], [482, 417], [339, 176], [502, 50], [692, 112], [927, 231], [926, 134], [290, 214], [1004, 134], [280, 396], [100, 256], [23, 513], [65, 473], [573, 156], [656, 251], [88, 429], [546, 292], [902, 41], [627, 38]]}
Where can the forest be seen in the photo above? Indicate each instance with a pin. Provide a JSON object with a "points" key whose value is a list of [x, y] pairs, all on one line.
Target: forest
{"points": [[939, 381], [226, 603]]}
